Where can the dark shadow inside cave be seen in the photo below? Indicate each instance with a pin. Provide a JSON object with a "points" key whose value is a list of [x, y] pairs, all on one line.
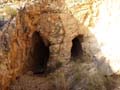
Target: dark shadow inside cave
{"points": [[76, 50], [40, 54]]}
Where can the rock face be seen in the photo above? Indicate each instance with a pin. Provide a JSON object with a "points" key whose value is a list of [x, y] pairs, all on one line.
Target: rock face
{"points": [[47, 33], [102, 18], [42, 32]]}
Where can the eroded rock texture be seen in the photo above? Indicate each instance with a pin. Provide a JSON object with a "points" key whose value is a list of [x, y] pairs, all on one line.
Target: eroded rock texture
{"points": [[46, 32]]}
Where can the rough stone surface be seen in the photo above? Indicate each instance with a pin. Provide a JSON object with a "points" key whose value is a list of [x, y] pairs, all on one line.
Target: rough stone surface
{"points": [[55, 24], [58, 22]]}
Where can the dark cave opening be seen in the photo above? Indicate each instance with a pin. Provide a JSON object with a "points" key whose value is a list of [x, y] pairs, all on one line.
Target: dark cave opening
{"points": [[40, 54], [76, 50]]}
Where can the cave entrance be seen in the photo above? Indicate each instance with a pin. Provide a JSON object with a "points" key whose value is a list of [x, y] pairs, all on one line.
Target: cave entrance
{"points": [[76, 50], [40, 53]]}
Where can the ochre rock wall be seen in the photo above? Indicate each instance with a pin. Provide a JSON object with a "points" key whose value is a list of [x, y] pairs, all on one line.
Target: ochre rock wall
{"points": [[57, 23]]}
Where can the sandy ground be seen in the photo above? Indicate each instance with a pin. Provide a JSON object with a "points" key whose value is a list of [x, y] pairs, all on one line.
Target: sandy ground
{"points": [[31, 82]]}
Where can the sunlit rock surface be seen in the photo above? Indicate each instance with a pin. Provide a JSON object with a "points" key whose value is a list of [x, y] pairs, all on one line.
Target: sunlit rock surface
{"points": [[106, 32], [102, 19], [58, 22]]}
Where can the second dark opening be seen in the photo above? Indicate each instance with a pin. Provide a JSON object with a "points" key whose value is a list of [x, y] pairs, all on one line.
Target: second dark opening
{"points": [[76, 50]]}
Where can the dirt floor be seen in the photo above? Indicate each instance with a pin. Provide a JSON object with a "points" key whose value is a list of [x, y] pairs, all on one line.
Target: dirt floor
{"points": [[31, 82]]}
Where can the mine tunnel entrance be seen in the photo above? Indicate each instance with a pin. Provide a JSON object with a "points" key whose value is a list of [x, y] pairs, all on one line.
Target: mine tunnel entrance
{"points": [[76, 50], [40, 54]]}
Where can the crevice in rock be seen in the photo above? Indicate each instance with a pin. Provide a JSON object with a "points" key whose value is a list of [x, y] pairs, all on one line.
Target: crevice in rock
{"points": [[76, 50], [40, 54]]}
